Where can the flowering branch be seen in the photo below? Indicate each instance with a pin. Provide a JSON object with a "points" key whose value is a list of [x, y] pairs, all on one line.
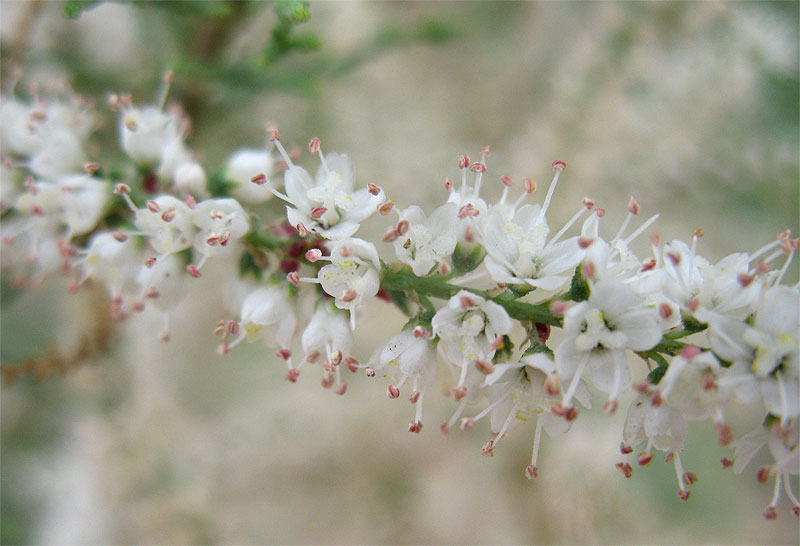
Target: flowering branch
{"points": [[470, 276]]}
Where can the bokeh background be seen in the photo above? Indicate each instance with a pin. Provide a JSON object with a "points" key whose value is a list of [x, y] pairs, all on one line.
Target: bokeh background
{"points": [[691, 107]]}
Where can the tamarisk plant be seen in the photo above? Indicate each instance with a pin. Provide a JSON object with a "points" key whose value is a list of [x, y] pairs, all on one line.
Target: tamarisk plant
{"points": [[482, 283]]}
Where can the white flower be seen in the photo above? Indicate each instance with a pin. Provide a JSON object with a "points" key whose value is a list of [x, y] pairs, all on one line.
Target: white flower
{"points": [[167, 222], [112, 262], [768, 350], [409, 355], [518, 251], [691, 386], [519, 392], [783, 448], [469, 328], [268, 313], [664, 427], [328, 334], [245, 164], [220, 224], [427, 241], [77, 202], [328, 205], [352, 276], [161, 282], [190, 178], [146, 133], [83, 202], [599, 331]]}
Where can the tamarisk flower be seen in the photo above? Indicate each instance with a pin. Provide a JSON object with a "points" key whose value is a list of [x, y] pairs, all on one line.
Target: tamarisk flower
{"points": [[328, 335], [521, 391], [246, 165], [422, 242], [410, 355], [469, 328], [221, 223], [689, 391], [327, 205], [665, 428], [764, 354], [352, 276], [161, 284], [783, 447], [598, 334], [154, 138], [49, 134], [267, 313]]}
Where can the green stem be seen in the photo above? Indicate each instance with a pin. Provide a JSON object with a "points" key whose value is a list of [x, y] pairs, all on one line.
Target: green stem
{"points": [[438, 287]]}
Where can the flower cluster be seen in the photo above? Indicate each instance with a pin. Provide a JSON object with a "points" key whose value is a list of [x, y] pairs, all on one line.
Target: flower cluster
{"points": [[483, 284]]}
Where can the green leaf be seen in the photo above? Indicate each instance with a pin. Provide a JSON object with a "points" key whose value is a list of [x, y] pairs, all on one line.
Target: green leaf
{"points": [[691, 324], [657, 374], [465, 261], [400, 300], [292, 11], [74, 8], [579, 290], [247, 265], [263, 239], [219, 186], [538, 347], [436, 32]]}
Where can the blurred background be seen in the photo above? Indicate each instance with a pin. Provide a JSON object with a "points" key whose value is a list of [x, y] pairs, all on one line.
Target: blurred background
{"points": [[691, 107]]}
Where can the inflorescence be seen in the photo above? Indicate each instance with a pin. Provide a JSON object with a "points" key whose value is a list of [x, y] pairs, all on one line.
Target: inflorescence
{"points": [[483, 283]]}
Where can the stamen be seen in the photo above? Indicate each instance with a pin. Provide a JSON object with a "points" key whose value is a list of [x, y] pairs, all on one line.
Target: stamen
{"points": [[641, 228], [531, 470], [566, 226], [573, 386], [449, 424], [558, 169], [163, 93]]}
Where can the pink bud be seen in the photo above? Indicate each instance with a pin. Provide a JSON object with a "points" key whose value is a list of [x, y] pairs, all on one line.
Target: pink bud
{"points": [[169, 214], [348, 296], [633, 206], [506, 181], [459, 392], [193, 271], [390, 236], [313, 255], [384, 208], [484, 367], [392, 392], [625, 468], [478, 167], [415, 427], [529, 185]]}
